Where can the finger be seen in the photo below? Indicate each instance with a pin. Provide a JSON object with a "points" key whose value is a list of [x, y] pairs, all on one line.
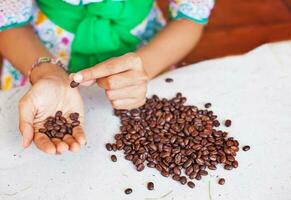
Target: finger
{"points": [[44, 143], [109, 67], [85, 83], [124, 79], [26, 117], [128, 103], [135, 91], [60, 145], [78, 134], [74, 146]]}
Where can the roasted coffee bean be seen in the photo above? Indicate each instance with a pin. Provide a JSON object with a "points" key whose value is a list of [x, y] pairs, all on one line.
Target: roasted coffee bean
{"points": [[113, 158], [228, 167], [108, 147], [128, 191], [151, 186], [235, 164], [246, 148], [176, 177], [183, 180], [221, 181], [74, 116], [169, 80], [57, 126], [140, 167], [227, 123], [191, 184], [74, 84], [174, 138], [42, 130], [207, 105]]}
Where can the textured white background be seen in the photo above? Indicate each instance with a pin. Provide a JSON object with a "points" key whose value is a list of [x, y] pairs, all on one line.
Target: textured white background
{"points": [[253, 90]]}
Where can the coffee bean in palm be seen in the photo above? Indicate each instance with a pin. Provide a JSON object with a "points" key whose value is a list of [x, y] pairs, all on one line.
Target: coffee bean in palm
{"points": [[246, 148], [58, 113], [128, 191], [191, 184], [113, 158], [57, 126], [151, 186], [221, 181], [42, 130], [74, 84], [227, 123]]}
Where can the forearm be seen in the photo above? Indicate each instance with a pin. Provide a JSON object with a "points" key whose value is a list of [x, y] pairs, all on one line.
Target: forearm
{"points": [[169, 46], [22, 48]]}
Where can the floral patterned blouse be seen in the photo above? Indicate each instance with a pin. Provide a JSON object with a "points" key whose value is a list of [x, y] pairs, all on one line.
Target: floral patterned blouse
{"points": [[14, 13]]}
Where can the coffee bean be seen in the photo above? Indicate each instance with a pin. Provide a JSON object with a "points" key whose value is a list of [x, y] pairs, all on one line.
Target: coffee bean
{"points": [[246, 148], [58, 113], [57, 126], [42, 130], [183, 180], [128, 191], [207, 105], [108, 147], [176, 177], [221, 181], [191, 184], [140, 167], [74, 116], [227, 123], [174, 138], [235, 164], [169, 80], [150, 186], [74, 84], [228, 167], [113, 158]]}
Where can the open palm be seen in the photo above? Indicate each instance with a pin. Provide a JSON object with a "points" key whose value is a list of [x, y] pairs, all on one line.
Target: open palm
{"points": [[44, 99]]}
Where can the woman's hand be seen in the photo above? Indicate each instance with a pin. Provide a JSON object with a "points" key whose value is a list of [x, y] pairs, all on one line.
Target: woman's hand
{"points": [[123, 78], [48, 95]]}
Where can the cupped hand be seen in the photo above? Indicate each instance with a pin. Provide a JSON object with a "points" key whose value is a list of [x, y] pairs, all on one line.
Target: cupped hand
{"points": [[123, 78], [44, 99]]}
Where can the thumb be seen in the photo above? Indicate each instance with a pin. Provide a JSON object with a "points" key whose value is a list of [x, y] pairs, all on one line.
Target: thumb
{"points": [[26, 117]]}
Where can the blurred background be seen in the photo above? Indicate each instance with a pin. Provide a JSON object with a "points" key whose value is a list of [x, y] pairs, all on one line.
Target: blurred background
{"points": [[237, 26]]}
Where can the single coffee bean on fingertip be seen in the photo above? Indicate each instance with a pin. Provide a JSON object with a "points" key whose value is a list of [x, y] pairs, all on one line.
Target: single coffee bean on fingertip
{"points": [[74, 84]]}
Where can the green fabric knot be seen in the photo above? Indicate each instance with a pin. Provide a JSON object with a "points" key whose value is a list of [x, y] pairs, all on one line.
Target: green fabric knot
{"points": [[102, 30]]}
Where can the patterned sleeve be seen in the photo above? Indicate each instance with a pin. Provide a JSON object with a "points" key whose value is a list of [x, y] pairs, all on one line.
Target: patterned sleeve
{"points": [[196, 10], [14, 13]]}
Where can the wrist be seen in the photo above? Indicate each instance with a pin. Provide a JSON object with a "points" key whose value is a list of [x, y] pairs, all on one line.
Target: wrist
{"points": [[47, 70]]}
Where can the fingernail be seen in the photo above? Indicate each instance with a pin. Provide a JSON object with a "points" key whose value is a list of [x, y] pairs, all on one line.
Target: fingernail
{"points": [[78, 78]]}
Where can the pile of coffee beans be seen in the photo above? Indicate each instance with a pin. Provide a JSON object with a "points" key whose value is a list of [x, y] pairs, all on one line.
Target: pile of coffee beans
{"points": [[178, 140], [58, 126]]}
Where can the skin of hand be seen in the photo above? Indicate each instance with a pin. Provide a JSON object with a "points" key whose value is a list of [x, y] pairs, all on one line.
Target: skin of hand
{"points": [[123, 78], [48, 95]]}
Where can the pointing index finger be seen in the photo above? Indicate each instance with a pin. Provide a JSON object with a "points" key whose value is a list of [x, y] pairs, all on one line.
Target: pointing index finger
{"points": [[107, 68]]}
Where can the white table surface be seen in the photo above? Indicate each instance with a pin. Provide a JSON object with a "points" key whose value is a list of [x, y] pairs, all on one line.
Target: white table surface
{"points": [[254, 90]]}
